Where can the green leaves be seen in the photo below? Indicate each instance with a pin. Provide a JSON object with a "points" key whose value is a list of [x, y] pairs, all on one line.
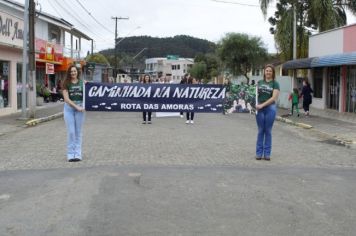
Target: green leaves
{"points": [[240, 52]]}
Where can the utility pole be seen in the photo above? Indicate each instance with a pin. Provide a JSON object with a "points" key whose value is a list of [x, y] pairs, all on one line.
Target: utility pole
{"points": [[24, 63], [117, 18], [294, 43], [31, 61]]}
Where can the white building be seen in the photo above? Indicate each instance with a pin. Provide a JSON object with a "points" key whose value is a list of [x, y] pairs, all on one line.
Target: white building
{"points": [[171, 67], [57, 45]]}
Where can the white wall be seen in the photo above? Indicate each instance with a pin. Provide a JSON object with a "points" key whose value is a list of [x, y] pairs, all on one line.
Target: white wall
{"points": [[41, 29], [326, 43], [285, 84]]}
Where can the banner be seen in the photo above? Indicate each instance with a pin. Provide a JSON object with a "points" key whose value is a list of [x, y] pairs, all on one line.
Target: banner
{"points": [[154, 97], [240, 99]]}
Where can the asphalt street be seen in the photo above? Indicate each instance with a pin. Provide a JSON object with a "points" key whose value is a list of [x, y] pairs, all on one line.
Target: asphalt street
{"points": [[169, 178]]}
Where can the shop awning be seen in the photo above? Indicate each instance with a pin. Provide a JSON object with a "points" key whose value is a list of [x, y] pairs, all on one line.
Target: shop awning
{"points": [[335, 60], [304, 63]]}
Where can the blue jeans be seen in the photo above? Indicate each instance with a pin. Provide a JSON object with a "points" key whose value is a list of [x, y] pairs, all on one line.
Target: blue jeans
{"points": [[74, 121], [265, 118]]}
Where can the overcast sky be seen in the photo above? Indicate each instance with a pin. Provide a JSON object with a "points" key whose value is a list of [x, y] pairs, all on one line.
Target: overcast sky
{"points": [[206, 19]]}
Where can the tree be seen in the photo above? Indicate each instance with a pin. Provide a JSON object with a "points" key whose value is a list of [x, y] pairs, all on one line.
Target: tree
{"points": [[241, 52], [199, 71], [212, 64], [311, 16], [97, 58]]}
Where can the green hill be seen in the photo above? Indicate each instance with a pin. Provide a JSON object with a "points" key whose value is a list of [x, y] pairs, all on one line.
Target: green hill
{"points": [[182, 45]]}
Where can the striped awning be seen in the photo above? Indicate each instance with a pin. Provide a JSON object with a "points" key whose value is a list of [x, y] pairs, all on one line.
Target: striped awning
{"points": [[335, 60], [304, 63]]}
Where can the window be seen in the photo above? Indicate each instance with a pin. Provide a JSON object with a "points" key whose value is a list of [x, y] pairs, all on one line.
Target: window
{"points": [[318, 82], [256, 72], [178, 67]]}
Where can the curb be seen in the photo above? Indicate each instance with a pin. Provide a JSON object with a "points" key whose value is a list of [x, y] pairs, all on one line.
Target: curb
{"points": [[34, 122], [288, 121], [344, 141]]}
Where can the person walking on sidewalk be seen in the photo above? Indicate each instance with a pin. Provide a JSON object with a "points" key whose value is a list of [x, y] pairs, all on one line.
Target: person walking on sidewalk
{"points": [[148, 115], [307, 97], [268, 91], [294, 98], [73, 113]]}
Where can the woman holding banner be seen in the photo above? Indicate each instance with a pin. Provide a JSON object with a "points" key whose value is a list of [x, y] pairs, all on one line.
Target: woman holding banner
{"points": [[267, 92], [73, 113], [148, 115]]}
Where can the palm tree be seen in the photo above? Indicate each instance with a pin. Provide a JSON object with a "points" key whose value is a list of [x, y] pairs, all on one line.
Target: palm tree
{"points": [[311, 16]]}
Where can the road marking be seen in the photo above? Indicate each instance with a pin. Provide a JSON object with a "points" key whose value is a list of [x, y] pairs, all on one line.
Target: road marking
{"points": [[4, 197]]}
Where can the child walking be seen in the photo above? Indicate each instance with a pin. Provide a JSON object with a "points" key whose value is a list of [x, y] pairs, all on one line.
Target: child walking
{"points": [[294, 97]]}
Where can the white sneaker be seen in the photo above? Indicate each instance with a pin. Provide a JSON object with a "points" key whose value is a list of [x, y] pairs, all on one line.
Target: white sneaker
{"points": [[181, 116], [192, 121], [187, 122]]}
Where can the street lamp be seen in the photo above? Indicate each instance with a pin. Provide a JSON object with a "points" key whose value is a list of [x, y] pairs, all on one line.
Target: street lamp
{"points": [[117, 43], [133, 59]]}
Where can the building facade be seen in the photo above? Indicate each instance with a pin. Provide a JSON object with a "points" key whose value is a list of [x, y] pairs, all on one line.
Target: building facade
{"points": [[172, 67], [331, 69], [57, 45]]}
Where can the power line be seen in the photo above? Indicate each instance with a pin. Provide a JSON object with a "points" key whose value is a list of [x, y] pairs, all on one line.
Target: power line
{"points": [[237, 3], [54, 8], [76, 18], [89, 13]]}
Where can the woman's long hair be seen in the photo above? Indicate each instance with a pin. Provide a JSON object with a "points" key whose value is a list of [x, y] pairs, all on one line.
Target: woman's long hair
{"points": [[144, 79], [68, 78]]}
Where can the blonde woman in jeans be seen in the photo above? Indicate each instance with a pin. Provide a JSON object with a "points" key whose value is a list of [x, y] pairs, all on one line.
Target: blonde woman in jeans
{"points": [[73, 113]]}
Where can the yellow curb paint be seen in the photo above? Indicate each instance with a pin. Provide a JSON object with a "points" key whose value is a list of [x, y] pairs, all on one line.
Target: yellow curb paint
{"points": [[288, 121]]}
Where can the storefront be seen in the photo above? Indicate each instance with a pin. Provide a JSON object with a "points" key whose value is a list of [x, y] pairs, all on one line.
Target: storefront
{"points": [[332, 70], [11, 42]]}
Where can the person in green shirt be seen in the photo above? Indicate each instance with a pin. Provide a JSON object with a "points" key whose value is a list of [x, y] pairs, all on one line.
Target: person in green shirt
{"points": [[267, 92], [294, 98], [73, 113]]}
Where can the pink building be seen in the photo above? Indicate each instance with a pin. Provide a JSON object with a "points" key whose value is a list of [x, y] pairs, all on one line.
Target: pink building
{"points": [[331, 68]]}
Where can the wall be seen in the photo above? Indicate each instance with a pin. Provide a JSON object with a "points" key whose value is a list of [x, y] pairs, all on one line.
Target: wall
{"points": [[41, 29], [326, 43], [285, 84], [349, 38]]}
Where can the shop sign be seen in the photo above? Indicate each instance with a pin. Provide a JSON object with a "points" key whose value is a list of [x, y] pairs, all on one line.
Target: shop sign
{"points": [[49, 68], [48, 51], [11, 30]]}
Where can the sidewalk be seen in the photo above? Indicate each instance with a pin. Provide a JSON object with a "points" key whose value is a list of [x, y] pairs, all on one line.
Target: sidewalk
{"points": [[339, 126], [13, 123]]}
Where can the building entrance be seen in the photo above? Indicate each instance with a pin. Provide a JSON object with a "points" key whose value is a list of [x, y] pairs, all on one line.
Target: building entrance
{"points": [[351, 89], [333, 88]]}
